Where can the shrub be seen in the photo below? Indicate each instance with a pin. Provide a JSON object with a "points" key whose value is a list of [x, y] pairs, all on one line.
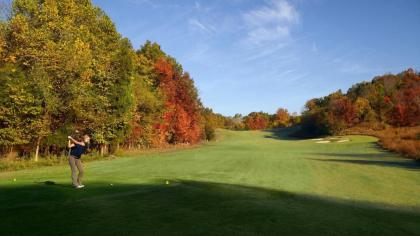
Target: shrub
{"points": [[209, 132]]}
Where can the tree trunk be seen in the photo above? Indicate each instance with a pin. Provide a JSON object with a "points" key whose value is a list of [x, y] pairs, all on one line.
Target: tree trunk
{"points": [[47, 151], [38, 141], [102, 150], [10, 153]]}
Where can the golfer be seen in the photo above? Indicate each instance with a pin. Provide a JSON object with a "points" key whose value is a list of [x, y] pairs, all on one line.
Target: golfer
{"points": [[76, 150]]}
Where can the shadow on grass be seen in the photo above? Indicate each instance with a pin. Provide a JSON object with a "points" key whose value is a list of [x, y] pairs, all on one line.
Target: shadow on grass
{"points": [[378, 155], [398, 164], [383, 158], [281, 133], [190, 208]]}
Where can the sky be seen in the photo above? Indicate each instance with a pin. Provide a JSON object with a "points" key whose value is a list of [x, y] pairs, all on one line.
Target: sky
{"points": [[251, 55]]}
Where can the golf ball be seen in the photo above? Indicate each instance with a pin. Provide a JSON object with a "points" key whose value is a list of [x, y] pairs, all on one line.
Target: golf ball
{"points": [[111, 184], [14, 180], [167, 182]]}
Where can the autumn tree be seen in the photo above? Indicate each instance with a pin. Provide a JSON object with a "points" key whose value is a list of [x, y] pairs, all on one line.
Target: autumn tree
{"points": [[148, 106], [256, 120], [340, 114], [212, 121], [281, 118], [20, 108], [181, 119], [406, 109], [74, 52], [168, 109], [314, 120]]}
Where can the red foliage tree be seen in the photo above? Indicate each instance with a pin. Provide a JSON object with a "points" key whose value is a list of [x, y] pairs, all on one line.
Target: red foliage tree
{"points": [[406, 111], [181, 120], [256, 120], [342, 109]]}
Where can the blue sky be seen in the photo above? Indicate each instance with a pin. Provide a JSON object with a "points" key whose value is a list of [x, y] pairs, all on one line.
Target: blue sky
{"points": [[249, 55]]}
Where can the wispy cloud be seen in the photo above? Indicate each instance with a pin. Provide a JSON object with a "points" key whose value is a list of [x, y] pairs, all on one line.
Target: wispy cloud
{"points": [[263, 52], [272, 22], [278, 11], [198, 25]]}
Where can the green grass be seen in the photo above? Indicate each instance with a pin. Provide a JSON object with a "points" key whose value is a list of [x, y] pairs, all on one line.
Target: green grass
{"points": [[248, 183]]}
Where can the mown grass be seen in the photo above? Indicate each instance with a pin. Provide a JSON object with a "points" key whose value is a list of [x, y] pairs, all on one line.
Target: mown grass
{"points": [[250, 183], [19, 163]]}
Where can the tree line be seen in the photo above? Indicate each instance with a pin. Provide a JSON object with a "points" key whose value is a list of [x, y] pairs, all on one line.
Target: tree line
{"points": [[64, 68], [260, 120], [388, 100]]}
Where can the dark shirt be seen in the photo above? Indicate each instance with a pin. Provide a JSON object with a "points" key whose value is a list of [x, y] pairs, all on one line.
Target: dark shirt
{"points": [[77, 150]]}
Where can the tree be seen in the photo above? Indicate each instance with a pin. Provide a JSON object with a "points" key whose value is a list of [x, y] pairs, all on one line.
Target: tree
{"points": [[182, 106], [406, 111], [147, 112], [363, 110], [295, 118], [314, 120], [74, 50], [340, 114], [20, 108], [281, 118], [256, 120]]}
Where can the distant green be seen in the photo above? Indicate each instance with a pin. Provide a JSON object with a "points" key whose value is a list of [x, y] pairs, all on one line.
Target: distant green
{"points": [[246, 183]]}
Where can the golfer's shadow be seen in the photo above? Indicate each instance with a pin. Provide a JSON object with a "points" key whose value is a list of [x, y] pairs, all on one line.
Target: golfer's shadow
{"points": [[53, 183]]}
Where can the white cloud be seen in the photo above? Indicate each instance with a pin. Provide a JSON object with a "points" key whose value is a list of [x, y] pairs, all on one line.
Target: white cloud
{"points": [[272, 22], [263, 34], [262, 52], [279, 11], [196, 24]]}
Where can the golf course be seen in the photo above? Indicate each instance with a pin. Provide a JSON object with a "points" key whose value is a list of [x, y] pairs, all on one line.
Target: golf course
{"points": [[245, 183]]}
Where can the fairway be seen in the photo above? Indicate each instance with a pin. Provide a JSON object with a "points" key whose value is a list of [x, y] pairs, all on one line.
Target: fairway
{"points": [[246, 183]]}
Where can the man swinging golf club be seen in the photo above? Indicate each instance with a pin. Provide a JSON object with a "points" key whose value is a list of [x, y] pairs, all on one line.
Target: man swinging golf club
{"points": [[76, 150]]}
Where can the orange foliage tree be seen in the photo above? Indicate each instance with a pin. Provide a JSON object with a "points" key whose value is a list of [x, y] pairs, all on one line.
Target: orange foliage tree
{"points": [[281, 118], [181, 119], [256, 120]]}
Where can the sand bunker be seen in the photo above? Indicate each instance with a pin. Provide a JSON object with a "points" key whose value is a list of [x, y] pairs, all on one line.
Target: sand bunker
{"points": [[325, 141], [342, 141], [331, 140]]}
